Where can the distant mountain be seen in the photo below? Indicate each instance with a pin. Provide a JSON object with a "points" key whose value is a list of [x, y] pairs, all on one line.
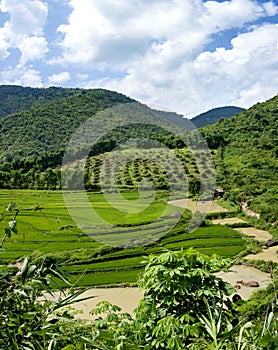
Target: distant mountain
{"points": [[213, 115]]}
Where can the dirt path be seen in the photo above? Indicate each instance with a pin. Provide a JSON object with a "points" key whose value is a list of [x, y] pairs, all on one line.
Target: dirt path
{"points": [[259, 235], [248, 211]]}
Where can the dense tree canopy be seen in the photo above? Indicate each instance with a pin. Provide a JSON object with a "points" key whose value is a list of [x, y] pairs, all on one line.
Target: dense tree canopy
{"points": [[246, 160]]}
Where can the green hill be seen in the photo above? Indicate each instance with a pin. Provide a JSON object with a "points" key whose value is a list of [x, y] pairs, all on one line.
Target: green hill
{"points": [[247, 150], [45, 130], [213, 115], [34, 139], [14, 99]]}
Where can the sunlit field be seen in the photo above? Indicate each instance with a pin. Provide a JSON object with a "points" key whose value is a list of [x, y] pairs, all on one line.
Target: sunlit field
{"points": [[147, 225]]}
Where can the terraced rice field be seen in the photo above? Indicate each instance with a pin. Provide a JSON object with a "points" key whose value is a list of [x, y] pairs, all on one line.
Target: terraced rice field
{"points": [[45, 227]]}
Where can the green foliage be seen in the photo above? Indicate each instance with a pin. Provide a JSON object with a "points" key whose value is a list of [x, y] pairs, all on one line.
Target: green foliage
{"points": [[29, 319], [184, 306], [177, 287], [46, 121], [262, 309], [17, 98], [260, 303], [44, 131], [246, 157], [165, 170]]}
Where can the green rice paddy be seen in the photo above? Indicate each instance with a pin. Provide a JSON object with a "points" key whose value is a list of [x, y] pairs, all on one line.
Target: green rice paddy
{"points": [[46, 227]]}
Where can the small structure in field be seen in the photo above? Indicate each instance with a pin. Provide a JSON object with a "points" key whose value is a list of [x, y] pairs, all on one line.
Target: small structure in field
{"points": [[219, 193]]}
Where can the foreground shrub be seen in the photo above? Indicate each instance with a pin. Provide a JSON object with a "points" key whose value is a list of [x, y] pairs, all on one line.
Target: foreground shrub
{"points": [[184, 306]]}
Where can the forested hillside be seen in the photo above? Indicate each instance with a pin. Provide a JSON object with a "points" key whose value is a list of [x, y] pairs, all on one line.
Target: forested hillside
{"points": [[213, 115], [34, 140], [247, 150], [14, 99], [44, 131], [38, 135]]}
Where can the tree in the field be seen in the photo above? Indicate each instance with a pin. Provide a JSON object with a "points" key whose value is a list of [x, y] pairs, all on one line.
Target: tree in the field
{"points": [[51, 179], [194, 186]]}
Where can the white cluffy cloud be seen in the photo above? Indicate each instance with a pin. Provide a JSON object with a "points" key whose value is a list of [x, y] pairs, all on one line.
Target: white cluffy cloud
{"points": [[159, 47], [24, 76], [248, 68], [119, 31], [186, 55], [60, 78], [24, 29]]}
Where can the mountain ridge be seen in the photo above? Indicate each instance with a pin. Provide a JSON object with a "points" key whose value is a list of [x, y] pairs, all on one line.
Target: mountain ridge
{"points": [[213, 115], [16, 98], [44, 129]]}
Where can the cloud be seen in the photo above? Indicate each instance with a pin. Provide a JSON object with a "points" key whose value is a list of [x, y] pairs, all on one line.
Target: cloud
{"points": [[119, 32], [24, 76], [59, 78], [157, 51], [242, 75], [235, 13], [24, 29], [32, 48], [4, 44], [82, 77], [245, 69], [26, 17]]}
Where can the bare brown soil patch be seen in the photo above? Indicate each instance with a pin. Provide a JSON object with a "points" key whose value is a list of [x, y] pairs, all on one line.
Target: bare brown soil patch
{"points": [[125, 297], [269, 254], [246, 274], [259, 235], [128, 298], [228, 221], [192, 205]]}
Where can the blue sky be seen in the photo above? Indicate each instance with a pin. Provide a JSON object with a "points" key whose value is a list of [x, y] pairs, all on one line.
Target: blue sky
{"points": [[185, 55]]}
